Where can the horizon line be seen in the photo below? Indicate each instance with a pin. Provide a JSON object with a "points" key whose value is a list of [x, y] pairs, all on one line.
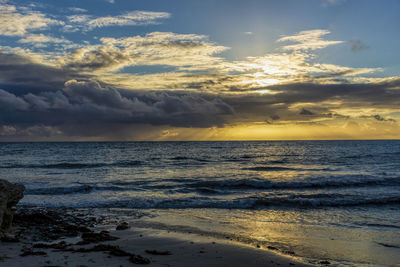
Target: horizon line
{"points": [[154, 141]]}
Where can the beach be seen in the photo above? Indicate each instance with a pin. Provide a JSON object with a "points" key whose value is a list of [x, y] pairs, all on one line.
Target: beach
{"points": [[310, 202], [151, 247]]}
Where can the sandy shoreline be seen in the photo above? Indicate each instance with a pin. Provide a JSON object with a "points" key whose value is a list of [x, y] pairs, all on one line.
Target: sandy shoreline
{"points": [[184, 249]]}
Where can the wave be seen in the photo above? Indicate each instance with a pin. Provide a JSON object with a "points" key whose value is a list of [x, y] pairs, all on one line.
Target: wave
{"points": [[67, 165], [356, 181], [212, 187], [63, 165], [73, 165], [81, 189], [280, 161], [311, 202], [360, 156], [128, 163], [251, 156], [59, 190], [388, 245], [280, 168], [291, 201], [271, 168], [378, 225], [243, 158], [181, 158]]}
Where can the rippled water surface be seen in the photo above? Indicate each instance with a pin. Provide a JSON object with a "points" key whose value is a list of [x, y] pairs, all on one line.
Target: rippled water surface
{"points": [[322, 199]]}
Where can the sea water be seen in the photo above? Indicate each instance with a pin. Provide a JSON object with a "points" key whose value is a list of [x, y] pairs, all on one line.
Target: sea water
{"points": [[330, 200]]}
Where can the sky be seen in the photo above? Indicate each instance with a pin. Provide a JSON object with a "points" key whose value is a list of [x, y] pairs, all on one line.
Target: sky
{"points": [[123, 70]]}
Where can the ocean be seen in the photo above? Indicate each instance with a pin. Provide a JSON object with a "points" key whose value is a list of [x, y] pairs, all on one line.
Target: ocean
{"points": [[322, 200]]}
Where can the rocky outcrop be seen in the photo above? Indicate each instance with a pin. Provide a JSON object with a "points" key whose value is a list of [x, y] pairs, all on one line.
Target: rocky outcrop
{"points": [[10, 194]]}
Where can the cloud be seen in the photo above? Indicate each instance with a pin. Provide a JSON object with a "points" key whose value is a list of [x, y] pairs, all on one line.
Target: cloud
{"points": [[78, 18], [16, 21], [357, 45], [307, 40], [157, 108], [350, 95], [99, 91], [24, 72], [90, 107], [77, 9], [10, 101], [132, 18], [157, 48], [20, 20], [328, 102], [6, 130], [41, 40]]}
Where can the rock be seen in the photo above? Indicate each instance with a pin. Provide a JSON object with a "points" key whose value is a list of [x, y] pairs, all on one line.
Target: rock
{"points": [[123, 226], [137, 259], [10, 194], [35, 218]]}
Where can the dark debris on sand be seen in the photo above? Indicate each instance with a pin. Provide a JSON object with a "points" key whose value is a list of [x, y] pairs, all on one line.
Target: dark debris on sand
{"points": [[116, 251], [122, 226], [46, 225], [60, 245], [158, 252], [29, 252], [92, 237]]}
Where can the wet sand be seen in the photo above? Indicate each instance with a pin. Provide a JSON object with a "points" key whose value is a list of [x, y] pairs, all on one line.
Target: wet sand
{"points": [[69, 242]]}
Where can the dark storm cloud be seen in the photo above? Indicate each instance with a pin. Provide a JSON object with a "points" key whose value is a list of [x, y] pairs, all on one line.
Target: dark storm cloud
{"points": [[380, 94], [91, 108], [254, 105], [10, 101], [20, 72], [35, 98], [156, 108]]}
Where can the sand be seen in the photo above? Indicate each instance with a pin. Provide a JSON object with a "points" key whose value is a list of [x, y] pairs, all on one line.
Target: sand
{"points": [[185, 249]]}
